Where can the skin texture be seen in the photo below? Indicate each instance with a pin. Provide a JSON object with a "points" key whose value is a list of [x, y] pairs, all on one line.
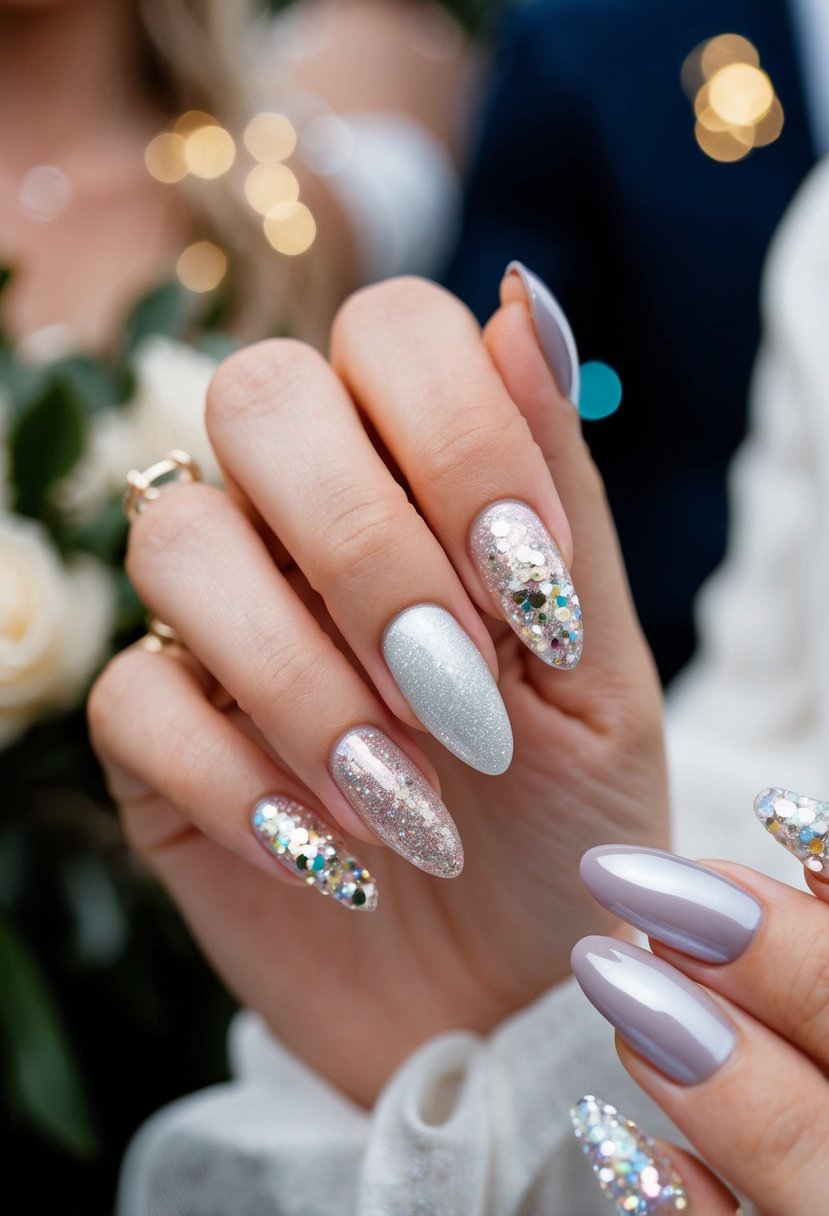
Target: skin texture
{"points": [[187, 768]]}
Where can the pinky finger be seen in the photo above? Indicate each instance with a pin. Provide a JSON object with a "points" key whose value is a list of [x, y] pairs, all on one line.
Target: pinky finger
{"points": [[160, 740], [644, 1176]]}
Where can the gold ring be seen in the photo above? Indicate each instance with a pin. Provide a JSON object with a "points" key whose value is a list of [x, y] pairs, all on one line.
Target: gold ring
{"points": [[144, 488], [160, 637]]}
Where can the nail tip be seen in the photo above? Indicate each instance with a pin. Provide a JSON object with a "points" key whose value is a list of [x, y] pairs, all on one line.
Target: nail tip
{"points": [[311, 852], [798, 823]]}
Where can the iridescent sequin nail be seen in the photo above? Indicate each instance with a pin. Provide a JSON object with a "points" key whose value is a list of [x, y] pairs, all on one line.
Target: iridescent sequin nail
{"points": [[799, 823], [396, 801], [524, 571], [630, 1168], [307, 848]]}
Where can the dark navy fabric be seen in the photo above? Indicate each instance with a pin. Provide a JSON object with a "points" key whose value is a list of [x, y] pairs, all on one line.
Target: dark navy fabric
{"points": [[588, 171]]}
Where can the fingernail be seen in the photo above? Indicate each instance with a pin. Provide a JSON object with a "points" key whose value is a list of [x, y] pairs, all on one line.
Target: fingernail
{"points": [[656, 1010], [449, 686], [396, 801], [524, 571], [680, 903], [799, 823], [555, 337], [308, 849], [630, 1168]]}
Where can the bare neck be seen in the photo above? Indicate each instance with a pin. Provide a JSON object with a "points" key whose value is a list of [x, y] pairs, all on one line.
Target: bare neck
{"points": [[72, 74]]}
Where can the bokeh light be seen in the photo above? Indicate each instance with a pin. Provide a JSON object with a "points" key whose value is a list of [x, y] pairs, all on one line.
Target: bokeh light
{"points": [[270, 137], [209, 151], [192, 120], [290, 228], [600, 394], [164, 157], [269, 184], [202, 266], [735, 106]]}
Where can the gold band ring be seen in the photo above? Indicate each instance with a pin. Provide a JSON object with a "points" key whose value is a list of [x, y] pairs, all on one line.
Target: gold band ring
{"points": [[144, 487]]}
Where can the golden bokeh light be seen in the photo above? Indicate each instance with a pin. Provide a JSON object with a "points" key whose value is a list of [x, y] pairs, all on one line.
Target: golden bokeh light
{"points": [[769, 128], [202, 266], [209, 152], [164, 157], [191, 121], [270, 137], [725, 49], [720, 145], [741, 94], [734, 101], [269, 184], [290, 228]]}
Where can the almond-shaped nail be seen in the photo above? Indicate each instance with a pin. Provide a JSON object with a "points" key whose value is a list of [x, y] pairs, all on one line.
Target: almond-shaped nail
{"points": [[308, 849], [630, 1168], [396, 801], [521, 566], [799, 823], [682, 904], [658, 1011], [555, 337], [446, 681]]}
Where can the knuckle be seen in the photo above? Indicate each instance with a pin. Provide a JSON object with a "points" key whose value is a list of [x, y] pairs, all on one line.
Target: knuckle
{"points": [[395, 300], [808, 1017], [365, 530], [177, 521], [472, 439], [787, 1137], [112, 695], [290, 672], [252, 382]]}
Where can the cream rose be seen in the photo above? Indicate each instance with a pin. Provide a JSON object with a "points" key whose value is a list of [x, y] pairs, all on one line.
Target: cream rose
{"points": [[55, 624], [166, 411]]}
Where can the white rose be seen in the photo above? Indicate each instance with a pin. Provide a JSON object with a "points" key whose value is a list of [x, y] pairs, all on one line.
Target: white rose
{"points": [[167, 411], [55, 624]]}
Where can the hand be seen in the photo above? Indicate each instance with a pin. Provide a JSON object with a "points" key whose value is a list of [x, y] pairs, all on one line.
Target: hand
{"points": [[742, 1073], [281, 590]]}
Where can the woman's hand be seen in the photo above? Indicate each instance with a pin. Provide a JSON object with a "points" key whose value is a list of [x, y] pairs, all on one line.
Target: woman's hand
{"points": [[742, 1072], [354, 490]]}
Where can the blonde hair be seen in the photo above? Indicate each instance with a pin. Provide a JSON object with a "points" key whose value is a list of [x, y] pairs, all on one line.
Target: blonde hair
{"points": [[202, 60]]}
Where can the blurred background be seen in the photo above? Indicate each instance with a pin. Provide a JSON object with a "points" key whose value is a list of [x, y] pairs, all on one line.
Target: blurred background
{"points": [[637, 155]]}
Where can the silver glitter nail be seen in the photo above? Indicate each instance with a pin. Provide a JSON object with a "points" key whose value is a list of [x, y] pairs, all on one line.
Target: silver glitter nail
{"points": [[396, 801], [308, 848], [630, 1168], [446, 681], [524, 571]]}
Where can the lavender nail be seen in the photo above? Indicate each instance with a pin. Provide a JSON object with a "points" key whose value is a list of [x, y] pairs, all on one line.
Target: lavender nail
{"points": [[680, 903], [552, 330], [656, 1010]]}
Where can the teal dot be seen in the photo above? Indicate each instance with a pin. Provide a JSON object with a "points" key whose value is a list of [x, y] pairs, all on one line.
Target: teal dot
{"points": [[318, 862], [561, 600], [601, 391]]}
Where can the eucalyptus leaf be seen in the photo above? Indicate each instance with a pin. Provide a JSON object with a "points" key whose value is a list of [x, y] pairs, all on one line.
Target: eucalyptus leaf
{"points": [[43, 1080], [164, 311], [96, 385], [5, 276], [46, 441]]}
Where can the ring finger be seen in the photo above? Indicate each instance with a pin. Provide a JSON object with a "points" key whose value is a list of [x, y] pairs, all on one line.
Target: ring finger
{"points": [[198, 563]]}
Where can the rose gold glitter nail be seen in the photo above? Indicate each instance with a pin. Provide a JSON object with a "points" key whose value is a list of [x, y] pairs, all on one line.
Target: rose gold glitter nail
{"points": [[524, 571], [396, 801]]}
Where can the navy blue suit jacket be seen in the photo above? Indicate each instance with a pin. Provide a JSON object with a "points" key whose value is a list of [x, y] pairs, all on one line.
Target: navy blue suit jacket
{"points": [[589, 172]]}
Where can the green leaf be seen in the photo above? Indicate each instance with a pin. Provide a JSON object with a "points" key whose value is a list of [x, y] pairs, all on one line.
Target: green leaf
{"points": [[5, 277], [96, 386], [42, 1076], [45, 443], [164, 311]]}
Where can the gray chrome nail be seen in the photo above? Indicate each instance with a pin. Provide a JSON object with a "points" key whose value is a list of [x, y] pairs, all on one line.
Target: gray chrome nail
{"points": [[446, 681], [658, 1011], [682, 904], [553, 331]]}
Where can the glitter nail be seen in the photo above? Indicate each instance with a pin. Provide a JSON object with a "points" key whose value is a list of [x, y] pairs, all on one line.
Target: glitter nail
{"points": [[311, 851], [799, 823], [396, 801], [524, 571], [630, 1168]]}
